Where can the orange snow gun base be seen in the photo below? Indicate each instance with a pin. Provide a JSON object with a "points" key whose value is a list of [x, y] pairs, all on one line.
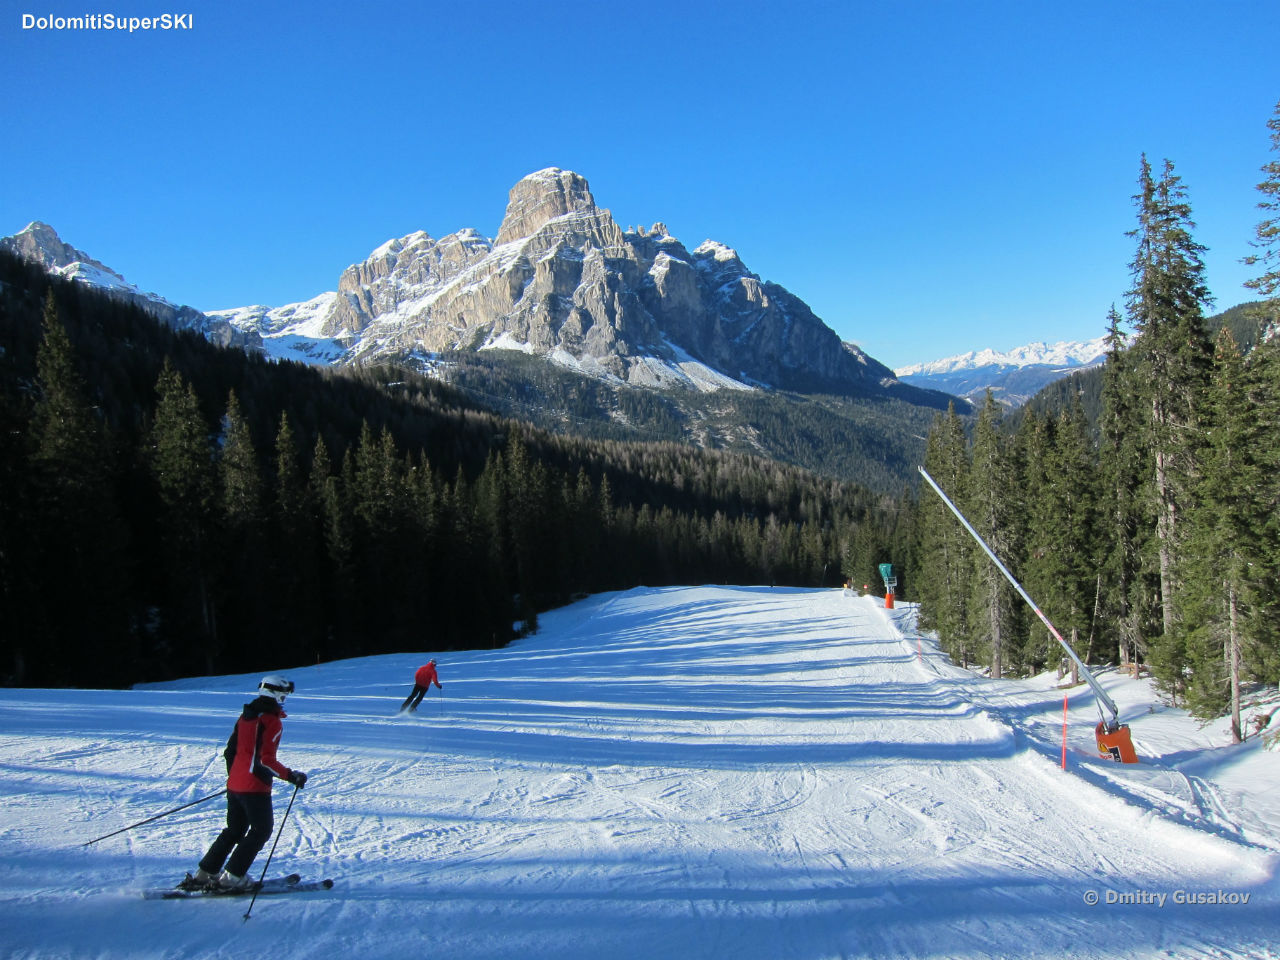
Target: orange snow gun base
{"points": [[1114, 742]]}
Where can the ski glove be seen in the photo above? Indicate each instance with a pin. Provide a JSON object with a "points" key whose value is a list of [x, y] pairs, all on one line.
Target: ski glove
{"points": [[297, 778]]}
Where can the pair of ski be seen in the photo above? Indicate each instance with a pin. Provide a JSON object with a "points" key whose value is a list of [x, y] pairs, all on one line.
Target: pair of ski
{"points": [[293, 883]]}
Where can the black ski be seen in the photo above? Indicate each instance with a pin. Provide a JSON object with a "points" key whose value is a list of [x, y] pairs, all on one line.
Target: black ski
{"points": [[293, 883]]}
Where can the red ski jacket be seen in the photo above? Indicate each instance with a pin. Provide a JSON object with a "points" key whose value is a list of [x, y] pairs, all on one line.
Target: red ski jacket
{"points": [[251, 749], [426, 676]]}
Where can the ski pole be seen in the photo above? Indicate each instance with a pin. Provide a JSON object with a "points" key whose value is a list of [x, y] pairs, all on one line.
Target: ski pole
{"points": [[263, 876], [156, 817]]}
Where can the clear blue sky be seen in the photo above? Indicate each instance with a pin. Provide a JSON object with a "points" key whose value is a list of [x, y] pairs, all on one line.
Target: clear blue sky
{"points": [[929, 176]]}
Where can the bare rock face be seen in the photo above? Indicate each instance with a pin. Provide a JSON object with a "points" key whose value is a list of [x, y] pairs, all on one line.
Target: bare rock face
{"points": [[41, 244], [541, 197], [563, 280], [559, 278], [398, 277]]}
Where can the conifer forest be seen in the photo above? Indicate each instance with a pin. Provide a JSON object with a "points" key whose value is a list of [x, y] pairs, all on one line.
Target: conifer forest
{"points": [[1139, 509], [171, 508]]}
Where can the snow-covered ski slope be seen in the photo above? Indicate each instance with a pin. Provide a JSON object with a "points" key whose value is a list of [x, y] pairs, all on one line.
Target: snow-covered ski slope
{"points": [[677, 773]]}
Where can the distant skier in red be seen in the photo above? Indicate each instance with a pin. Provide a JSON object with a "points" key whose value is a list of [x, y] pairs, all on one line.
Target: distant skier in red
{"points": [[422, 681]]}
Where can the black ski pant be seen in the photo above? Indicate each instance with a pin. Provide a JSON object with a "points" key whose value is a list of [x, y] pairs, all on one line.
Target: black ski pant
{"points": [[249, 825], [415, 697]]}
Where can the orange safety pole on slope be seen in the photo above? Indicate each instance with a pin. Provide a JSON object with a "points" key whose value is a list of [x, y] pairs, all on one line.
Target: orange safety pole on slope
{"points": [[1064, 731]]}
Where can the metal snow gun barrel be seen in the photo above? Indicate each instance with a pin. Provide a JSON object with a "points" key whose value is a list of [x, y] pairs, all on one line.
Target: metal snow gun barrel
{"points": [[1114, 741]]}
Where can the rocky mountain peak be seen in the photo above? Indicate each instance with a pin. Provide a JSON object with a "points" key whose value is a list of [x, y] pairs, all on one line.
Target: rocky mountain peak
{"points": [[542, 197], [41, 244], [562, 281]]}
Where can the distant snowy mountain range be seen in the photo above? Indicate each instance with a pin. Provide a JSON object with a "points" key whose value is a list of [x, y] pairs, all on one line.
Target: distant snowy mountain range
{"points": [[1013, 377]]}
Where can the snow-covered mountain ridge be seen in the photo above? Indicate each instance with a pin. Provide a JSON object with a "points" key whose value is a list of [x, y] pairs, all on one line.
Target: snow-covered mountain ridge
{"points": [[40, 243], [1066, 353], [1012, 376], [291, 332], [563, 281]]}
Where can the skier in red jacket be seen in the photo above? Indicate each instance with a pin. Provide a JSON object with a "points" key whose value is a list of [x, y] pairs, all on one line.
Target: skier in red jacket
{"points": [[422, 681], [251, 767]]}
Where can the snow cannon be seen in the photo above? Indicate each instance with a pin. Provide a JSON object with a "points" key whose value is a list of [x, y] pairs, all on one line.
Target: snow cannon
{"points": [[1114, 741], [890, 582]]}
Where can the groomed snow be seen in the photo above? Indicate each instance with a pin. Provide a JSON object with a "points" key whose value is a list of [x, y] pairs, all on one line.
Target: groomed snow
{"points": [[688, 772]]}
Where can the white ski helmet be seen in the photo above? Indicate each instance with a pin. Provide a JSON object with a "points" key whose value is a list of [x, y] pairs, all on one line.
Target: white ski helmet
{"points": [[276, 687]]}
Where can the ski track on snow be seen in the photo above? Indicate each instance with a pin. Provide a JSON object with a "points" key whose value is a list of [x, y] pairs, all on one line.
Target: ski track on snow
{"points": [[694, 772]]}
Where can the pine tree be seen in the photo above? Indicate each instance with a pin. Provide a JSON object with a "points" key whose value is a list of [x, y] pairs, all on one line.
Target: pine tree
{"points": [[383, 542], [242, 496], [1267, 233], [1263, 377], [1036, 436], [181, 464], [429, 523], [15, 592], [946, 551], [532, 549], [64, 429], [291, 493], [868, 547], [1226, 547], [295, 553], [74, 560], [583, 534], [1166, 305], [337, 583], [991, 508], [1074, 589], [325, 494], [377, 490], [241, 546], [1128, 595], [492, 520]]}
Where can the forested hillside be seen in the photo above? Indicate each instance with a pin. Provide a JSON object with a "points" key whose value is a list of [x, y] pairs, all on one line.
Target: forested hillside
{"points": [[1138, 504], [1247, 323], [874, 438], [168, 507]]}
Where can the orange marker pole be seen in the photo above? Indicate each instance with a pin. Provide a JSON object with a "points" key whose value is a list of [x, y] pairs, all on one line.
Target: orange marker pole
{"points": [[1064, 731]]}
